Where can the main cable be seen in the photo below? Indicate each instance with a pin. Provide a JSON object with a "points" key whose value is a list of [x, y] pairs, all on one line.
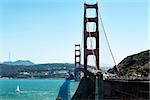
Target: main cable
{"points": [[107, 40]]}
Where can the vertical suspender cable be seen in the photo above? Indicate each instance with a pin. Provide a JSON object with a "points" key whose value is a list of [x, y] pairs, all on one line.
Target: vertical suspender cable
{"points": [[107, 41]]}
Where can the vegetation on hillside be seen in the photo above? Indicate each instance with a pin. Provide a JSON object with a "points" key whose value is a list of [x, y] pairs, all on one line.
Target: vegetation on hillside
{"points": [[55, 70], [135, 64]]}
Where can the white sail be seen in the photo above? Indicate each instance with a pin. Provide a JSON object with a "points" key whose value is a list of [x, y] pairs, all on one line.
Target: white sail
{"points": [[18, 89]]}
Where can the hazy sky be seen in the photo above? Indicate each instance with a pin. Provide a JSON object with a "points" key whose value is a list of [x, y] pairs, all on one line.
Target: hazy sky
{"points": [[45, 31]]}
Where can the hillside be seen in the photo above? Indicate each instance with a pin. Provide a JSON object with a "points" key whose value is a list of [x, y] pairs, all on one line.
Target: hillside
{"points": [[19, 62], [134, 64], [54, 70]]}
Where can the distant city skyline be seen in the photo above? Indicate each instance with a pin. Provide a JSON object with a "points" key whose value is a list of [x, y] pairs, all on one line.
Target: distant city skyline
{"points": [[45, 31]]}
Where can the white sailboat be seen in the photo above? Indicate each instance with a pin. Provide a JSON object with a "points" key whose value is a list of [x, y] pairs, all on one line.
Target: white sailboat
{"points": [[17, 89]]}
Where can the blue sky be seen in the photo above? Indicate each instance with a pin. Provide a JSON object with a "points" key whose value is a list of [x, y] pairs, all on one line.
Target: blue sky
{"points": [[45, 31]]}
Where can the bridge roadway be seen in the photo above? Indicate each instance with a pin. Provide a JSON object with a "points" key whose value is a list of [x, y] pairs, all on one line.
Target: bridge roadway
{"points": [[125, 89], [114, 87]]}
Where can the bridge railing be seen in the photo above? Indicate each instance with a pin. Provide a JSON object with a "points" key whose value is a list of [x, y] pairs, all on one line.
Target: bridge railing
{"points": [[128, 78]]}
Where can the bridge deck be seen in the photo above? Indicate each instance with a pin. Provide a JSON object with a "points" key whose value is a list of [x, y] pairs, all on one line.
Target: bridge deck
{"points": [[113, 88]]}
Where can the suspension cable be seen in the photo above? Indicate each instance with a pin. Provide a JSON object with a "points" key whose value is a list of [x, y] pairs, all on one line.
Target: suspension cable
{"points": [[101, 20], [81, 47], [106, 41]]}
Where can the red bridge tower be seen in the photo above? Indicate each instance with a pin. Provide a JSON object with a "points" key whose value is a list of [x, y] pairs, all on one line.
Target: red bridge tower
{"points": [[93, 34], [77, 72]]}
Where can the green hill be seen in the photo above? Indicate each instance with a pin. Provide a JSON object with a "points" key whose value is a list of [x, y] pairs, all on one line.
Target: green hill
{"points": [[53, 70], [134, 64], [19, 62]]}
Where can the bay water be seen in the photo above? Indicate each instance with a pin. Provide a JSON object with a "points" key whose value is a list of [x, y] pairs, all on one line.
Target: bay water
{"points": [[36, 89]]}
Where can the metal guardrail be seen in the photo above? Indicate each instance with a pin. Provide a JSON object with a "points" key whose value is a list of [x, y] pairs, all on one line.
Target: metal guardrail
{"points": [[130, 78]]}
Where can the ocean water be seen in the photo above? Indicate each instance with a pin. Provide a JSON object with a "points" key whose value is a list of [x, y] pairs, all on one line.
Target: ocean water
{"points": [[47, 89]]}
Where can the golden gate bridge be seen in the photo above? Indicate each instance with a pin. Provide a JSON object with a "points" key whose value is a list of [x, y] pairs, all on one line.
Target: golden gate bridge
{"points": [[91, 77]]}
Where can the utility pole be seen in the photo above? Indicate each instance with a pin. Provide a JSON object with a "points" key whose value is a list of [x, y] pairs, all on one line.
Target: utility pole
{"points": [[9, 56]]}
